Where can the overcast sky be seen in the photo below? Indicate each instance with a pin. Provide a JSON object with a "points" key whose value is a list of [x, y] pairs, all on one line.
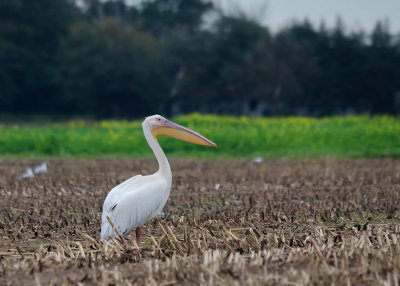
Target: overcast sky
{"points": [[356, 14]]}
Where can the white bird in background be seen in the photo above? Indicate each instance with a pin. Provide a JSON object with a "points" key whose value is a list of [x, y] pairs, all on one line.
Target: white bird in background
{"points": [[30, 172], [39, 169], [27, 174], [132, 203]]}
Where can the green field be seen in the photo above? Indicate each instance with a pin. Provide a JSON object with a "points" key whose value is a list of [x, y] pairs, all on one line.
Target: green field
{"points": [[293, 137]]}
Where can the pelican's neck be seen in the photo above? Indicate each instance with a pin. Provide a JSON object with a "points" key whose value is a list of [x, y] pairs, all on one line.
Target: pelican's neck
{"points": [[163, 165]]}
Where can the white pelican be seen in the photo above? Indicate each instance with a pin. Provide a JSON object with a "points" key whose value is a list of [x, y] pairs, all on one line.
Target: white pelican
{"points": [[140, 198]]}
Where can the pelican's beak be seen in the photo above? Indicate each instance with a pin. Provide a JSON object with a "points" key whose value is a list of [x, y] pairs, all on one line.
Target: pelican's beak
{"points": [[182, 133]]}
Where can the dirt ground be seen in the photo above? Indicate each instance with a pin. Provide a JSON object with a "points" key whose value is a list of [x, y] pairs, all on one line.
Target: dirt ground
{"points": [[226, 222]]}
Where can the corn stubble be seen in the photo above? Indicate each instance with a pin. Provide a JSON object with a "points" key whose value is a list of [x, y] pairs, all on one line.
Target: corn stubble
{"points": [[227, 222]]}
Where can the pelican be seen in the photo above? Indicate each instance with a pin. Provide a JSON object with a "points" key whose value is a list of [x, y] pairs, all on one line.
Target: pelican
{"points": [[135, 201]]}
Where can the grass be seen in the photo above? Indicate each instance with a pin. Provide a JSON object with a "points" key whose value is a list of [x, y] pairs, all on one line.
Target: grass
{"points": [[293, 137]]}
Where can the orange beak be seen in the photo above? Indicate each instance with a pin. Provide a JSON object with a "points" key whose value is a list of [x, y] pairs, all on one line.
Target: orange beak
{"points": [[182, 133]]}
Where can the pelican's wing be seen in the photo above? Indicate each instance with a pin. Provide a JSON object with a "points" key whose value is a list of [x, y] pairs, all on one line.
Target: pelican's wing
{"points": [[115, 194], [133, 203]]}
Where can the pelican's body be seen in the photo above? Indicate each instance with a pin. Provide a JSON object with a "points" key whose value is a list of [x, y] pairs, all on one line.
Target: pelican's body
{"points": [[140, 198], [132, 203]]}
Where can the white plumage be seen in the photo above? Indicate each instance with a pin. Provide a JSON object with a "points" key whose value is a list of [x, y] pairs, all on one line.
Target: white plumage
{"points": [[135, 201], [132, 203]]}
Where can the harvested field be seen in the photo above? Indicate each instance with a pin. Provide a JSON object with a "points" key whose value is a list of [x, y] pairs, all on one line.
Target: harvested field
{"points": [[227, 222]]}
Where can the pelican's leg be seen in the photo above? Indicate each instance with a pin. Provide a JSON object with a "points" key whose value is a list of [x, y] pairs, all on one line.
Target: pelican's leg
{"points": [[138, 232]]}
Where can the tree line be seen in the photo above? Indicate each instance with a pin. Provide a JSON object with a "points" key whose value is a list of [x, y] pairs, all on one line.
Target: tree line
{"points": [[108, 59]]}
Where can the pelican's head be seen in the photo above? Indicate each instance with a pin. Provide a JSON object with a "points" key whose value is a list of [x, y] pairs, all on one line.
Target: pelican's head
{"points": [[161, 126]]}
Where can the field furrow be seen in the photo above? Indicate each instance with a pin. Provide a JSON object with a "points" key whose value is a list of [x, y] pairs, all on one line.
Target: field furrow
{"points": [[308, 221]]}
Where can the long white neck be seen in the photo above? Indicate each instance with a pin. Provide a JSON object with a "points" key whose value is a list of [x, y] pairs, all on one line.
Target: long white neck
{"points": [[163, 166]]}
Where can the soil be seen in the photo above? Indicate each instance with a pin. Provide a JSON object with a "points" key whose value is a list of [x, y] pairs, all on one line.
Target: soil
{"points": [[320, 221]]}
